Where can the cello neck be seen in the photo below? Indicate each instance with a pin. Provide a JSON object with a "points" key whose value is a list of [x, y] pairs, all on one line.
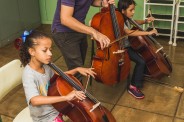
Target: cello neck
{"points": [[114, 21], [64, 76], [134, 23]]}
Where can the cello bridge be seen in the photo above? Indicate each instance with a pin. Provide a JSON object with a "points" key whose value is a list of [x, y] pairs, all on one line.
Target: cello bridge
{"points": [[94, 106], [159, 49], [119, 51]]}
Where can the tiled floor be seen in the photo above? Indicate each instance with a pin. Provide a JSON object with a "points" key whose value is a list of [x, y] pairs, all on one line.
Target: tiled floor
{"points": [[161, 103]]}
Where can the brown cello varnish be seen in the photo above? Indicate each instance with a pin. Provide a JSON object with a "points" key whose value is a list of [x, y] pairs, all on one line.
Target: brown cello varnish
{"points": [[87, 110], [157, 62], [111, 64]]}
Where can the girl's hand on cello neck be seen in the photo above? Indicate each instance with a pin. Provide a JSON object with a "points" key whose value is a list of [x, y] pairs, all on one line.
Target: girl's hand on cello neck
{"points": [[153, 32], [83, 71], [149, 19], [86, 71]]}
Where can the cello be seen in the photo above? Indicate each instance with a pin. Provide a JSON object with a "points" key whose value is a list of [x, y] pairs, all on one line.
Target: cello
{"points": [[111, 64], [158, 64], [87, 110]]}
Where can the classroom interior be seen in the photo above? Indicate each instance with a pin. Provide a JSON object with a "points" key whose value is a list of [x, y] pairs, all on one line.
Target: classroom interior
{"points": [[162, 102]]}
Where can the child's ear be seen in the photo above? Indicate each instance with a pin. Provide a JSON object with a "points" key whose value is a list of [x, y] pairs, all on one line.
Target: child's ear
{"points": [[123, 11], [31, 51]]}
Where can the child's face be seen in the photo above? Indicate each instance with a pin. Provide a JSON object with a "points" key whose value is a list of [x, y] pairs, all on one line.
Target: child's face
{"points": [[129, 12], [41, 52]]}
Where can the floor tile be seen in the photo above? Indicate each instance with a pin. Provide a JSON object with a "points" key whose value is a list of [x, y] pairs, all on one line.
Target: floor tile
{"points": [[8, 53], [180, 110], [126, 114], [176, 77], [105, 93], [158, 99], [107, 106], [178, 120], [13, 103]]}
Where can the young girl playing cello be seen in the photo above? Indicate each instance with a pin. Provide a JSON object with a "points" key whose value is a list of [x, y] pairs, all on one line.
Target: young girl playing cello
{"points": [[127, 8], [35, 54]]}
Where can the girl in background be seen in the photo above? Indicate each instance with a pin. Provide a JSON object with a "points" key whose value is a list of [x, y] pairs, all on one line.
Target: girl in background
{"points": [[127, 8]]}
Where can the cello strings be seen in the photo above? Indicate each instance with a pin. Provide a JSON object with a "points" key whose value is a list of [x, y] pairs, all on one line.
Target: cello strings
{"points": [[114, 21], [153, 26], [70, 80], [122, 37], [87, 83], [148, 36], [176, 88], [86, 92], [61, 73]]}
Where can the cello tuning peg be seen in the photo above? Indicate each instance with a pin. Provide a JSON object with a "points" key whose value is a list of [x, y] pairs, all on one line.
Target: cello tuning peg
{"points": [[94, 106]]}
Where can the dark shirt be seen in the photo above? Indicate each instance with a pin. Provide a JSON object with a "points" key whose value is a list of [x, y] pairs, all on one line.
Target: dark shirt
{"points": [[81, 8]]}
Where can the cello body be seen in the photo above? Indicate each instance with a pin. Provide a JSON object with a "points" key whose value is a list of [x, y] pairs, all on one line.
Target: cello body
{"points": [[77, 111], [111, 67], [158, 64]]}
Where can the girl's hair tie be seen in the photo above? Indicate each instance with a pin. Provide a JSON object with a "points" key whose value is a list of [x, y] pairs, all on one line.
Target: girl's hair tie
{"points": [[25, 34], [19, 41]]}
